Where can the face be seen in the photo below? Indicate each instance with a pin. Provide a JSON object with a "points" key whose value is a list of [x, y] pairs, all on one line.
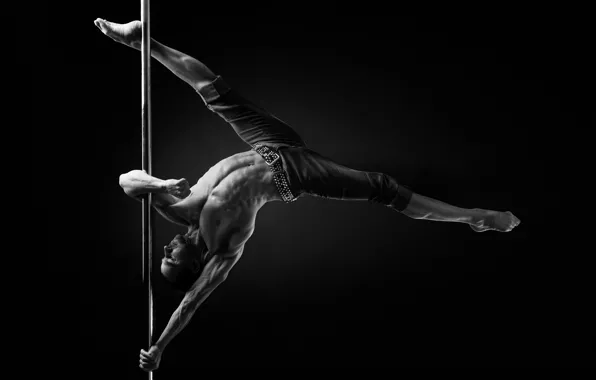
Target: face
{"points": [[177, 255]]}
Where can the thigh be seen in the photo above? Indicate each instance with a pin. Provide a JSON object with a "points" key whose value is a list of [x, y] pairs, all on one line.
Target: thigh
{"points": [[251, 123], [320, 176]]}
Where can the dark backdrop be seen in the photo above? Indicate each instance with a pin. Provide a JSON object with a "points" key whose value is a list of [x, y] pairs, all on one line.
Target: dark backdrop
{"points": [[475, 107]]}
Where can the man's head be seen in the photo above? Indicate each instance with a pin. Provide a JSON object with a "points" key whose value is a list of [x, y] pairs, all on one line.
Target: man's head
{"points": [[181, 264]]}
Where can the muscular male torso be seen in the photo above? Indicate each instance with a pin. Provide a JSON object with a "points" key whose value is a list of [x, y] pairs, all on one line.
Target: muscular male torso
{"points": [[224, 202]]}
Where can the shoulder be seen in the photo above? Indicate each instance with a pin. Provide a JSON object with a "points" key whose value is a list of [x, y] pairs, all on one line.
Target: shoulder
{"points": [[232, 228]]}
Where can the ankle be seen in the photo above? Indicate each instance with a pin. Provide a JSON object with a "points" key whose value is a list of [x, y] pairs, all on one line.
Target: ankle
{"points": [[476, 216]]}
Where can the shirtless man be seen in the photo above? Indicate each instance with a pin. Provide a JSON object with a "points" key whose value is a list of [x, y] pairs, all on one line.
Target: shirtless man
{"points": [[220, 209]]}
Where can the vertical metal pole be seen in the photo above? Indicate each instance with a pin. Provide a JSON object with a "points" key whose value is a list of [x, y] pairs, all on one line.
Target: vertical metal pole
{"points": [[146, 165]]}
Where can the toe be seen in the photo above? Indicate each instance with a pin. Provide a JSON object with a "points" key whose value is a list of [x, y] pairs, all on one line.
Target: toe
{"points": [[106, 26], [101, 25]]}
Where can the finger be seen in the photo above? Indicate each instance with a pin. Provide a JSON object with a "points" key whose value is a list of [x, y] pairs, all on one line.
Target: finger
{"points": [[148, 366], [146, 355]]}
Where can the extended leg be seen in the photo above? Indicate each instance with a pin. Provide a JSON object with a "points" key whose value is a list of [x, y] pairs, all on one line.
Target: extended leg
{"points": [[187, 68], [480, 220], [320, 176], [251, 123]]}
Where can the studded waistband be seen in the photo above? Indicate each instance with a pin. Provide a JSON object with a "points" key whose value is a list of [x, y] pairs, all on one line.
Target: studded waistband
{"points": [[273, 159]]}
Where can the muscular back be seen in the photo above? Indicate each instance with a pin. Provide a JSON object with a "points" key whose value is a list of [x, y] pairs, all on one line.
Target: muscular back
{"points": [[225, 200]]}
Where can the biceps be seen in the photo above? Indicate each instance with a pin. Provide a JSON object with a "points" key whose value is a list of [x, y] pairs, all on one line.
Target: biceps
{"points": [[163, 203], [223, 263], [240, 237], [171, 215]]}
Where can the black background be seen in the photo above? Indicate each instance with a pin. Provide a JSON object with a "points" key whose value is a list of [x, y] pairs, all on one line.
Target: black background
{"points": [[476, 107]]}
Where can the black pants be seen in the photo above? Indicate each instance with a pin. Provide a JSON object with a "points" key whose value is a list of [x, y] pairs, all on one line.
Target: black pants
{"points": [[307, 171]]}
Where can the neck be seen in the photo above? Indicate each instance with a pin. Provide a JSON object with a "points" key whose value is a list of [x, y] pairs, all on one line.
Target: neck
{"points": [[193, 234]]}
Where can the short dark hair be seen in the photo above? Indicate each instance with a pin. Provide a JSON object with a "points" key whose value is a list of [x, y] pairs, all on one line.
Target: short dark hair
{"points": [[184, 279]]}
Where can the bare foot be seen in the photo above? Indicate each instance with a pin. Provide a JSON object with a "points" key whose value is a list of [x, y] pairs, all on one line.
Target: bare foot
{"points": [[495, 221], [128, 34]]}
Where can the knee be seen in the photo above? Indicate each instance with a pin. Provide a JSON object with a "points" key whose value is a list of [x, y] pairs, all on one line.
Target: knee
{"points": [[388, 192], [402, 199], [384, 188]]}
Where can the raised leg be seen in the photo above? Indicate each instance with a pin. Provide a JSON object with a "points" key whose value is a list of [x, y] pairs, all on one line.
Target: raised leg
{"points": [[253, 124], [187, 68]]}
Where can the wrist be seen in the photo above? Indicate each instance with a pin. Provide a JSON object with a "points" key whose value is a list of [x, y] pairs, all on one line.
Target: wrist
{"points": [[161, 186], [160, 345]]}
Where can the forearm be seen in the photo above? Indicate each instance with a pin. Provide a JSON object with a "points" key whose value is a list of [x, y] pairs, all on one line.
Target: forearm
{"points": [[187, 68], [213, 275], [178, 321], [138, 182], [181, 317]]}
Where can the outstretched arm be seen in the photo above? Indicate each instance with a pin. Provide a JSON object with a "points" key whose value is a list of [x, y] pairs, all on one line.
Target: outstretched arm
{"points": [[214, 274]]}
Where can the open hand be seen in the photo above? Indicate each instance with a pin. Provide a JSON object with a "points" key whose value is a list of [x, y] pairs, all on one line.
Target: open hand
{"points": [[177, 187], [149, 361]]}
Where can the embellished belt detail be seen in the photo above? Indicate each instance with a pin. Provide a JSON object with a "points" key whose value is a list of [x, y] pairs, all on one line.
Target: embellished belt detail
{"points": [[273, 159]]}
